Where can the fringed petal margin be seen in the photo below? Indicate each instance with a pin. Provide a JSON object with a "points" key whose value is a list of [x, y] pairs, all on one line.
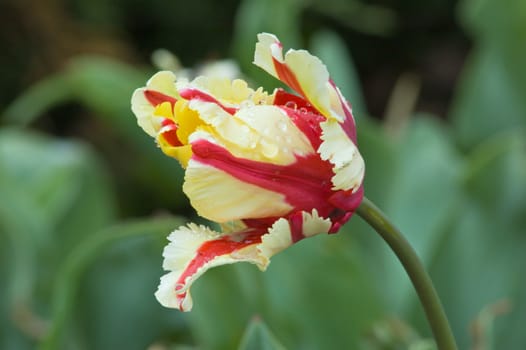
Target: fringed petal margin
{"points": [[194, 249], [342, 153], [285, 232]]}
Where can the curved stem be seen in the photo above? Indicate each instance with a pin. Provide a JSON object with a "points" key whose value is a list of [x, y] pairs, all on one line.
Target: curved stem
{"points": [[413, 266]]}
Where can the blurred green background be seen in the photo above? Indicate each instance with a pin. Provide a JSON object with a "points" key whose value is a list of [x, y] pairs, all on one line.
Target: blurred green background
{"points": [[86, 199]]}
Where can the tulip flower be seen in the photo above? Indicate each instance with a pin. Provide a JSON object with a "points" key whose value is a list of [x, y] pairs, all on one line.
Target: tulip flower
{"points": [[270, 168]]}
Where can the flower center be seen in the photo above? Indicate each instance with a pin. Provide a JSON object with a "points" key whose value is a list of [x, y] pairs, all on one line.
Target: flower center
{"points": [[178, 122]]}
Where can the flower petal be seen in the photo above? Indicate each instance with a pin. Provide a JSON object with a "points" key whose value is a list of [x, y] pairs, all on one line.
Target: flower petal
{"points": [[304, 73], [305, 183], [160, 88], [218, 196], [195, 249], [258, 132], [228, 93], [342, 153], [284, 233]]}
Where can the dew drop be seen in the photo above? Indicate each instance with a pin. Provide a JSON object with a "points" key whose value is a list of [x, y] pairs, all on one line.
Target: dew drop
{"points": [[180, 288], [291, 104], [253, 143], [244, 129], [282, 126], [246, 104], [303, 110], [270, 150]]}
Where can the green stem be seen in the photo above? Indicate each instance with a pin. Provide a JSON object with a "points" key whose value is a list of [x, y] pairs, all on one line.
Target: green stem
{"points": [[413, 266]]}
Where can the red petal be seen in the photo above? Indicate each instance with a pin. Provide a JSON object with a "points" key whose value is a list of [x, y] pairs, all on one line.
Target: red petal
{"points": [[156, 98], [170, 133], [284, 98], [306, 184], [287, 76], [210, 250], [191, 94]]}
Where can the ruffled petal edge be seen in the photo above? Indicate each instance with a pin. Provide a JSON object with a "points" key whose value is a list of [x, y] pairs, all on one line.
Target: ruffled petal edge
{"points": [[193, 249]]}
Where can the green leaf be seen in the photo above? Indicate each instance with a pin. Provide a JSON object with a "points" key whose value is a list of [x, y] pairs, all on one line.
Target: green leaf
{"points": [[482, 260], [105, 86], [221, 310], [417, 182], [494, 176], [358, 15], [488, 101], [47, 186], [490, 97], [258, 337], [119, 292], [317, 281], [42, 96]]}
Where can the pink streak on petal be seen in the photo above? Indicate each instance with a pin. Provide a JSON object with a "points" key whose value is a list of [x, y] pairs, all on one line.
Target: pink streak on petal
{"points": [[296, 226], [306, 184], [347, 200], [155, 98], [339, 220], [302, 114], [211, 250], [308, 123], [169, 132], [348, 124], [283, 98], [261, 223], [346, 203], [287, 76], [180, 297], [191, 94]]}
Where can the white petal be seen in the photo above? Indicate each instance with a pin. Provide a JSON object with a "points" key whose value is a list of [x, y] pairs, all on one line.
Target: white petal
{"points": [[185, 242], [267, 46], [163, 82], [174, 287], [313, 224], [221, 197], [308, 71], [277, 239], [257, 132], [342, 153], [279, 236]]}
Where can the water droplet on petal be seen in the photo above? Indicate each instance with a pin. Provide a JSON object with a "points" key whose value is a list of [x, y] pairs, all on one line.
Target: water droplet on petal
{"points": [[270, 150], [246, 104], [244, 129], [282, 126], [303, 110], [291, 104], [180, 288], [253, 143]]}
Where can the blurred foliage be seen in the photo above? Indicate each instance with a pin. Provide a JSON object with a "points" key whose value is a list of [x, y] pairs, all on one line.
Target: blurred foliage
{"points": [[85, 195]]}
